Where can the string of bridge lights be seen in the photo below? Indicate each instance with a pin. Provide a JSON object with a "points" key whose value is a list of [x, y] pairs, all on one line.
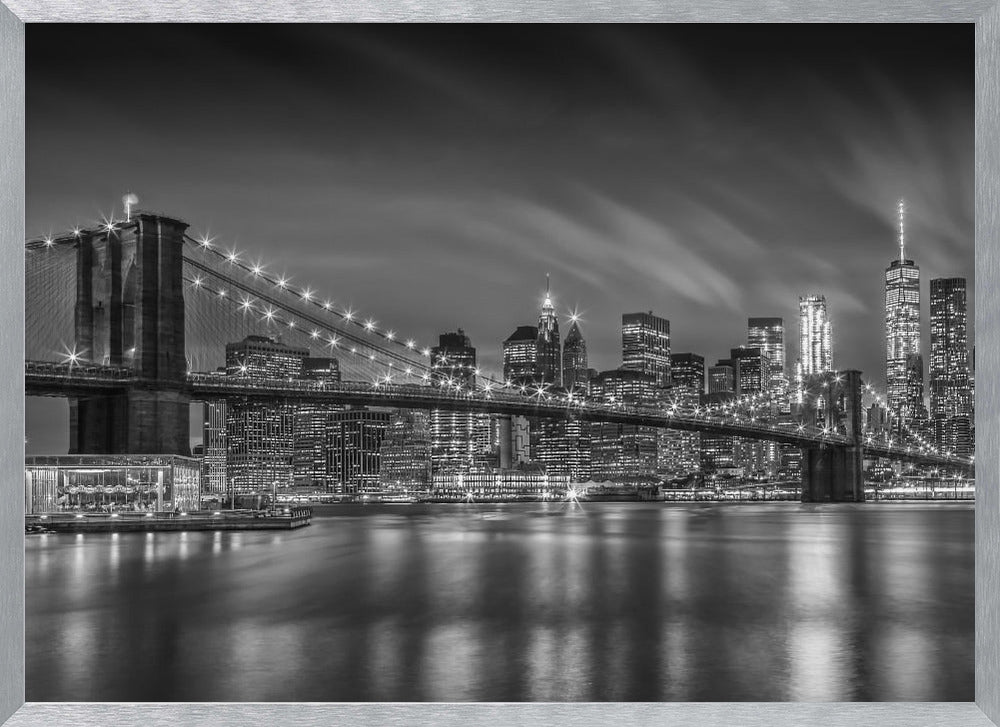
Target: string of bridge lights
{"points": [[306, 295], [326, 339]]}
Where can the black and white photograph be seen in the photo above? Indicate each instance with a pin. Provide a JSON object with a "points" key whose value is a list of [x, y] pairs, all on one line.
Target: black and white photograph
{"points": [[499, 363]]}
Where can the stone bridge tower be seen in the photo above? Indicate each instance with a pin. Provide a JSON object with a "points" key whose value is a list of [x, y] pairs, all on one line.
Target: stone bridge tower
{"points": [[130, 313]]}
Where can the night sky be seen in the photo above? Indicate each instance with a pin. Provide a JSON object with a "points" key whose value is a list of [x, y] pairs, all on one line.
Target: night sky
{"points": [[430, 176]]}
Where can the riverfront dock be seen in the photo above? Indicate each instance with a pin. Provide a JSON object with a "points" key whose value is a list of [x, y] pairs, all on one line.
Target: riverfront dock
{"points": [[289, 518]]}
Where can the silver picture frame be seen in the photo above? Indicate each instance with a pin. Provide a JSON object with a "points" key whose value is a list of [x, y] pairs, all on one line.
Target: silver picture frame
{"points": [[984, 711]]}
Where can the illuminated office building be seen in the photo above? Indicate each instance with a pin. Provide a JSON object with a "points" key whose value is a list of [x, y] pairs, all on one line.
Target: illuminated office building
{"points": [[903, 361], [646, 346], [815, 336], [405, 454], [951, 408], [453, 363], [768, 334], [548, 364], [260, 435], [354, 442], [520, 353], [574, 359], [623, 453], [311, 423]]}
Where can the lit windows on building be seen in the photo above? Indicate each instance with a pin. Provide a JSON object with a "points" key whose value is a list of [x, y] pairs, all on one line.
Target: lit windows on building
{"points": [[951, 391], [548, 364], [260, 434], [309, 464], [520, 353], [904, 381], [405, 467], [576, 374], [815, 336], [354, 441], [453, 363], [768, 334], [646, 346]]}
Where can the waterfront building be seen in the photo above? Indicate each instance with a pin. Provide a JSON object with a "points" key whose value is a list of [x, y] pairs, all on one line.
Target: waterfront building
{"points": [[951, 398], [646, 346], [679, 452], [111, 483], [564, 448], [453, 364], [213, 438], [260, 435], [405, 466], [903, 361], [623, 453], [354, 441], [488, 483], [310, 427]]}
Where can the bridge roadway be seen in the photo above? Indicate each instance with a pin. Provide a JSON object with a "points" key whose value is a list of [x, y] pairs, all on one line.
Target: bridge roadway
{"points": [[73, 380]]}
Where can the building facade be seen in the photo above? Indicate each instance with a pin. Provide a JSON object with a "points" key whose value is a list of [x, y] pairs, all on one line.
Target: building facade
{"points": [[548, 363], [815, 336], [903, 359], [575, 371], [260, 434], [951, 399], [646, 346]]}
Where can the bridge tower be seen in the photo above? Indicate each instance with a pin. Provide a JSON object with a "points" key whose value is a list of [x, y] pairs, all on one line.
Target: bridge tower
{"points": [[130, 312], [835, 472]]}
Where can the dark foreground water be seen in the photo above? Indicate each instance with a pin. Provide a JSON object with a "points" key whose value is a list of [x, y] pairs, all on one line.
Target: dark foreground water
{"points": [[553, 602]]}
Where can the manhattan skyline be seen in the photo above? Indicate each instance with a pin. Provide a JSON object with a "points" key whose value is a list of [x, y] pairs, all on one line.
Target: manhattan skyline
{"points": [[433, 178]]}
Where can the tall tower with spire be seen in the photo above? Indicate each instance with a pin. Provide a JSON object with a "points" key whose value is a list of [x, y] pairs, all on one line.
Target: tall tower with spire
{"points": [[574, 357], [547, 361], [904, 367]]}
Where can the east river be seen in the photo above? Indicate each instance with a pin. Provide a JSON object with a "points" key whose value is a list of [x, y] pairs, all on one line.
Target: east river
{"points": [[525, 602]]}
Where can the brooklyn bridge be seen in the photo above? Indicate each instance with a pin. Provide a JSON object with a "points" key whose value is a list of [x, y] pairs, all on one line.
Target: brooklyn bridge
{"points": [[121, 317]]}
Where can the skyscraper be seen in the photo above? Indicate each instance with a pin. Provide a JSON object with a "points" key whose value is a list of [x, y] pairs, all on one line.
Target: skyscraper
{"points": [[623, 453], [768, 334], [903, 364], [679, 452], [260, 435], [950, 381], [548, 367], [815, 336], [520, 352], [453, 363], [405, 454], [214, 443], [688, 370], [574, 359], [354, 442], [311, 424], [751, 370], [646, 346]]}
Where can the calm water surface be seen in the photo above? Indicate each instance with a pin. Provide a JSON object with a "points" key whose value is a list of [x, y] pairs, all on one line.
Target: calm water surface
{"points": [[555, 602]]}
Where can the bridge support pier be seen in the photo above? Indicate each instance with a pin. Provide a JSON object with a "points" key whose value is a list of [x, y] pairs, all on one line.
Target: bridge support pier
{"points": [[833, 474]]}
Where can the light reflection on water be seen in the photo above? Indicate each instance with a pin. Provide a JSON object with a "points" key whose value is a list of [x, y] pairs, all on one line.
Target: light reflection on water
{"points": [[547, 602]]}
